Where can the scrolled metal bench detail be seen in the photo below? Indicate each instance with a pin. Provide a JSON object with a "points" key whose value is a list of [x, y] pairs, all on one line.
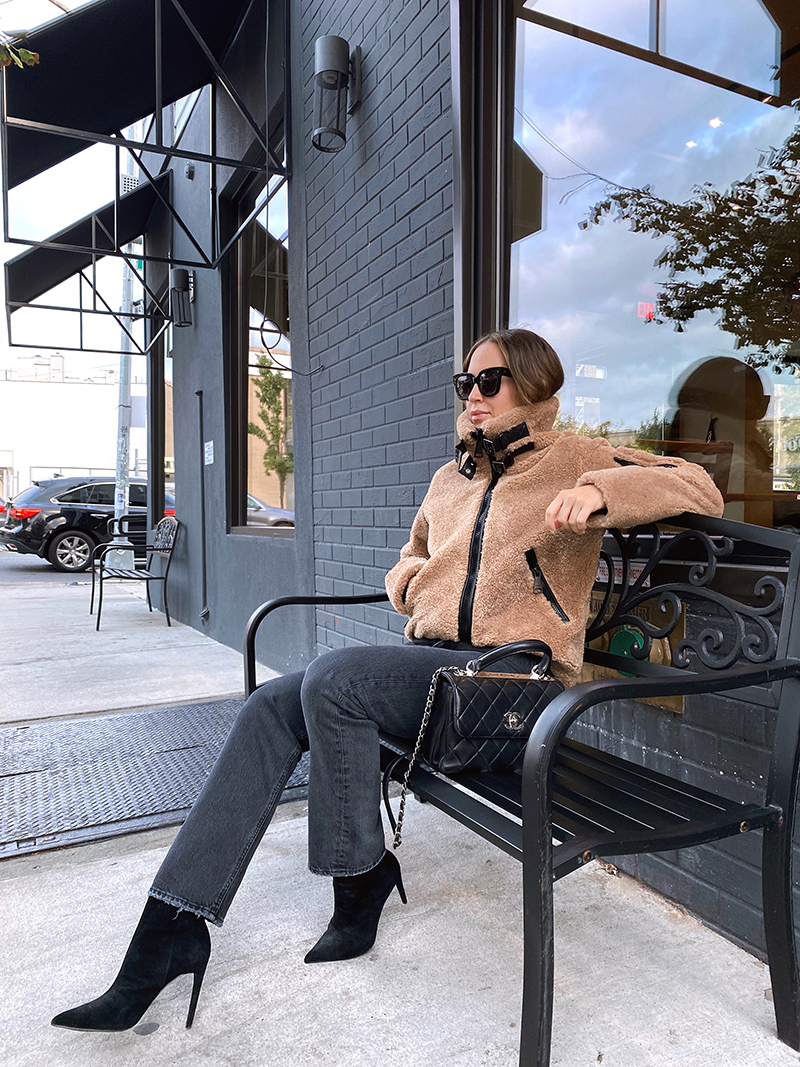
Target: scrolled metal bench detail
{"points": [[753, 643]]}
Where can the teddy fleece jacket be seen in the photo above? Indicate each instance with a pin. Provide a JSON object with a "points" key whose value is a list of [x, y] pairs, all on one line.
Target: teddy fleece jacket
{"points": [[481, 565]]}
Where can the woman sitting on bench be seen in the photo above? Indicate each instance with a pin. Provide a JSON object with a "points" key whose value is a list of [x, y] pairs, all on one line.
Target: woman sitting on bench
{"points": [[505, 546]]}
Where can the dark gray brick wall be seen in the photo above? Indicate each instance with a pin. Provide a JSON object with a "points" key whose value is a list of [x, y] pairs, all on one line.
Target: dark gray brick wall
{"points": [[380, 296], [719, 882]]}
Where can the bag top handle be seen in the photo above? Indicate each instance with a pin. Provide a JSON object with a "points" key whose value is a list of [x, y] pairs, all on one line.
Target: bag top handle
{"points": [[531, 645]]}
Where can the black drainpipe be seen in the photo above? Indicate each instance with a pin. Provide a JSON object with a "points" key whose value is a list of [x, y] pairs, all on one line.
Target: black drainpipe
{"points": [[204, 613]]}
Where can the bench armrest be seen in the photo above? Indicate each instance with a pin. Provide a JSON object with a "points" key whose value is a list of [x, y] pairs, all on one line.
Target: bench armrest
{"points": [[101, 550], [258, 616], [551, 727]]}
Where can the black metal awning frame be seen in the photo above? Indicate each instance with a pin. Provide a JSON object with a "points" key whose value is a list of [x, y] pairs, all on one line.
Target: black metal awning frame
{"points": [[153, 144]]}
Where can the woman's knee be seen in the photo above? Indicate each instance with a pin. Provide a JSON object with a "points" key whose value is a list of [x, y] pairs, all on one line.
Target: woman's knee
{"points": [[333, 677], [277, 699]]}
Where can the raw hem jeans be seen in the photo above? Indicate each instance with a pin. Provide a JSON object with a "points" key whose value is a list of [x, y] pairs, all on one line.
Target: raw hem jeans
{"points": [[335, 708]]}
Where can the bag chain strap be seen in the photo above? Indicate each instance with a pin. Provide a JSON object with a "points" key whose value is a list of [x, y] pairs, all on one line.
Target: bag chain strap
{"points": [[426, 717]]}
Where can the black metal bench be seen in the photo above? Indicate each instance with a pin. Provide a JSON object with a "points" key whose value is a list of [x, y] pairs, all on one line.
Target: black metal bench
{"points": [[165, 536], [734, 588]]}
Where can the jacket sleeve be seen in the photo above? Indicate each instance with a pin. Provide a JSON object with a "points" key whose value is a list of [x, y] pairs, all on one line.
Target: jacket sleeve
{"points": [[413, 557], [639, 487]]}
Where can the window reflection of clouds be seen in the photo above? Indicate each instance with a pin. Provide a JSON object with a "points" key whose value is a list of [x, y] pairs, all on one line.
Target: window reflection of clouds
{"points": [[627, 20], [736, 38], [628, 122]]}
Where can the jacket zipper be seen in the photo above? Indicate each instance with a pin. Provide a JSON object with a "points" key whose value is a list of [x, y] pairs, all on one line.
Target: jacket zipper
{"points": [[541, 585], [467, 604]]}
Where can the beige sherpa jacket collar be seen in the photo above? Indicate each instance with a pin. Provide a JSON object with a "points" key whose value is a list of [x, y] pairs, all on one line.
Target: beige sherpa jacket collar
{"points": [[502, 439]]}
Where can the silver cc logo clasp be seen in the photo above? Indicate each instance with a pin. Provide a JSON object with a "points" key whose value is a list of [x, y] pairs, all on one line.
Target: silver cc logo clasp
{"points": [[513, 720]]}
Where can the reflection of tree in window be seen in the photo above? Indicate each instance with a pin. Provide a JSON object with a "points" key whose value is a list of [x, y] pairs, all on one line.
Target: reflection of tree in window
{"points": [[734, 251], [274, 425]]}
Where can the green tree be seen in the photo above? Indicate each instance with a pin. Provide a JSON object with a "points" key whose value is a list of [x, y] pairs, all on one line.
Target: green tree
{"points": [[581, 427], [11, 51], [650, 430], [734, 251], [270, 385]]}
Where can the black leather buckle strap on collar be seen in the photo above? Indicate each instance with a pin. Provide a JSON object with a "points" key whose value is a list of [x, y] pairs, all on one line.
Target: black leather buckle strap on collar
{"points": [[467, 465], [511, 456], [516, 433], [464, 461], [491, 446]]}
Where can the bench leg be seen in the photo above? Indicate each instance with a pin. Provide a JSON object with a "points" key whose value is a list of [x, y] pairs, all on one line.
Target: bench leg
{"points": [[537, 989], [776, 875], [149, 601], [91, 603], [166, 604], [100, 601], [779, 929]]}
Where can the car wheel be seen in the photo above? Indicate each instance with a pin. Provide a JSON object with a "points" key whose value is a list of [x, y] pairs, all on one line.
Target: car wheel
{"points": [[70, 551]]}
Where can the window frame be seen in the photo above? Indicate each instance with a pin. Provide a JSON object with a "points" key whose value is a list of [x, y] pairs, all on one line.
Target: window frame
{"points": [[237, 330]]}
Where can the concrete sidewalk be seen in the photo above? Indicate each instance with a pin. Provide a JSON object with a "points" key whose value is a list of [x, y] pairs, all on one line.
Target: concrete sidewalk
{"points": [[638, 982], [54, 664]]}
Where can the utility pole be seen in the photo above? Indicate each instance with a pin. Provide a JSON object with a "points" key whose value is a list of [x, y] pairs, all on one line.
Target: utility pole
{"points": [[122, 554]]}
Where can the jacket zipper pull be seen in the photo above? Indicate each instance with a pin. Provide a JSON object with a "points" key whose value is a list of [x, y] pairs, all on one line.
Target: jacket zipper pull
{"points": [[541, 585]]}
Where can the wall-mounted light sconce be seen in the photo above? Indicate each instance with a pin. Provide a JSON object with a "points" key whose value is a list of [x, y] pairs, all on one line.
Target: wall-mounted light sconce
{"points": [[335, 71], [181, 296]]}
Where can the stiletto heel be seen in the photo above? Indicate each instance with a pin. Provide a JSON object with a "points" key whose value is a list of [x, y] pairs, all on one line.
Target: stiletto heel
{"points": [[358, 903], [198, 981], [165, 944]]}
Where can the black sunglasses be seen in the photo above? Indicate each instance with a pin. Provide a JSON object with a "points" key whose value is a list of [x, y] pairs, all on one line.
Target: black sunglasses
{"points": [[488, 382]]}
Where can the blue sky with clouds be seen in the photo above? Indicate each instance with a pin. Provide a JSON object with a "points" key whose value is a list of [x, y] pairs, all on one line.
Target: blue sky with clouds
{"points": [[629, 122]]}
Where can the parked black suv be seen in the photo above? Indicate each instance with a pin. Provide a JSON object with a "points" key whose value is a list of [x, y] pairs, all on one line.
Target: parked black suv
{"points": [[62, 519]]}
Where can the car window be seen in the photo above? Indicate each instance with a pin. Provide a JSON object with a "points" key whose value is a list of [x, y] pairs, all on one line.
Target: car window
{"points": [[26, 494], [80, 495], [103, 493], [137, 496]]}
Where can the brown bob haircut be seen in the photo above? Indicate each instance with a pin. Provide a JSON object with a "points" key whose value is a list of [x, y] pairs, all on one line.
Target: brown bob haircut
{"points": [[534, 364]]}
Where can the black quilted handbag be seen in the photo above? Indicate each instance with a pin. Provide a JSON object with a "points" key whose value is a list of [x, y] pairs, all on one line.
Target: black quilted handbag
{"points": [[478, 721]]}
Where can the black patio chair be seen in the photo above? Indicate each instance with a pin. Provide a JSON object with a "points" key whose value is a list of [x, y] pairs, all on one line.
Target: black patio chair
{"points": [[163, 545]]}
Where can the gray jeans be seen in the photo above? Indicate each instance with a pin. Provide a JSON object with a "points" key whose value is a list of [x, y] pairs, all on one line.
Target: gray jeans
{"points": [[335, 708]]}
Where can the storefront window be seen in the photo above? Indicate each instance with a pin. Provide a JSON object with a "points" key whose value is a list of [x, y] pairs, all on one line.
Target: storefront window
{"points": [[269, 485], [695, 355]]}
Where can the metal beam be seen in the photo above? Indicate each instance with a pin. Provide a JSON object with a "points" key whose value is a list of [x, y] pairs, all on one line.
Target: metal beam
{"points": [[227, 84], [126, 142]]}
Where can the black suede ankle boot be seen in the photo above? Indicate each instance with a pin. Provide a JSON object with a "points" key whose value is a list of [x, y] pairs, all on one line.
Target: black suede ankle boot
{"points": [[358, 903], [165, 944]]}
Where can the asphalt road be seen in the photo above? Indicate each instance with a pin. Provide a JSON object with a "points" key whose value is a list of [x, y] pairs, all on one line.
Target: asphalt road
{"points": [[16, 568]]}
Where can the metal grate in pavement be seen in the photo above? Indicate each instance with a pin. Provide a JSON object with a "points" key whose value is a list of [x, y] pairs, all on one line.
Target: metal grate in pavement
{"points": [[65, 783]]}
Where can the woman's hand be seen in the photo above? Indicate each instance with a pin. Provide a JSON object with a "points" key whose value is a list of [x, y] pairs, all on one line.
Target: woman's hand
{"points": [[572, 507]]}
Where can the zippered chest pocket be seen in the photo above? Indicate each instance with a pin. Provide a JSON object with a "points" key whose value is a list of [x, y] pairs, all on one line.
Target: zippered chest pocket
{"points": [[541, 585]]}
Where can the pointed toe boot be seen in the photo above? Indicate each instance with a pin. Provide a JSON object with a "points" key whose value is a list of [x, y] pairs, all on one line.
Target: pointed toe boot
{"points": [[165, 944], [358, 903]]}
